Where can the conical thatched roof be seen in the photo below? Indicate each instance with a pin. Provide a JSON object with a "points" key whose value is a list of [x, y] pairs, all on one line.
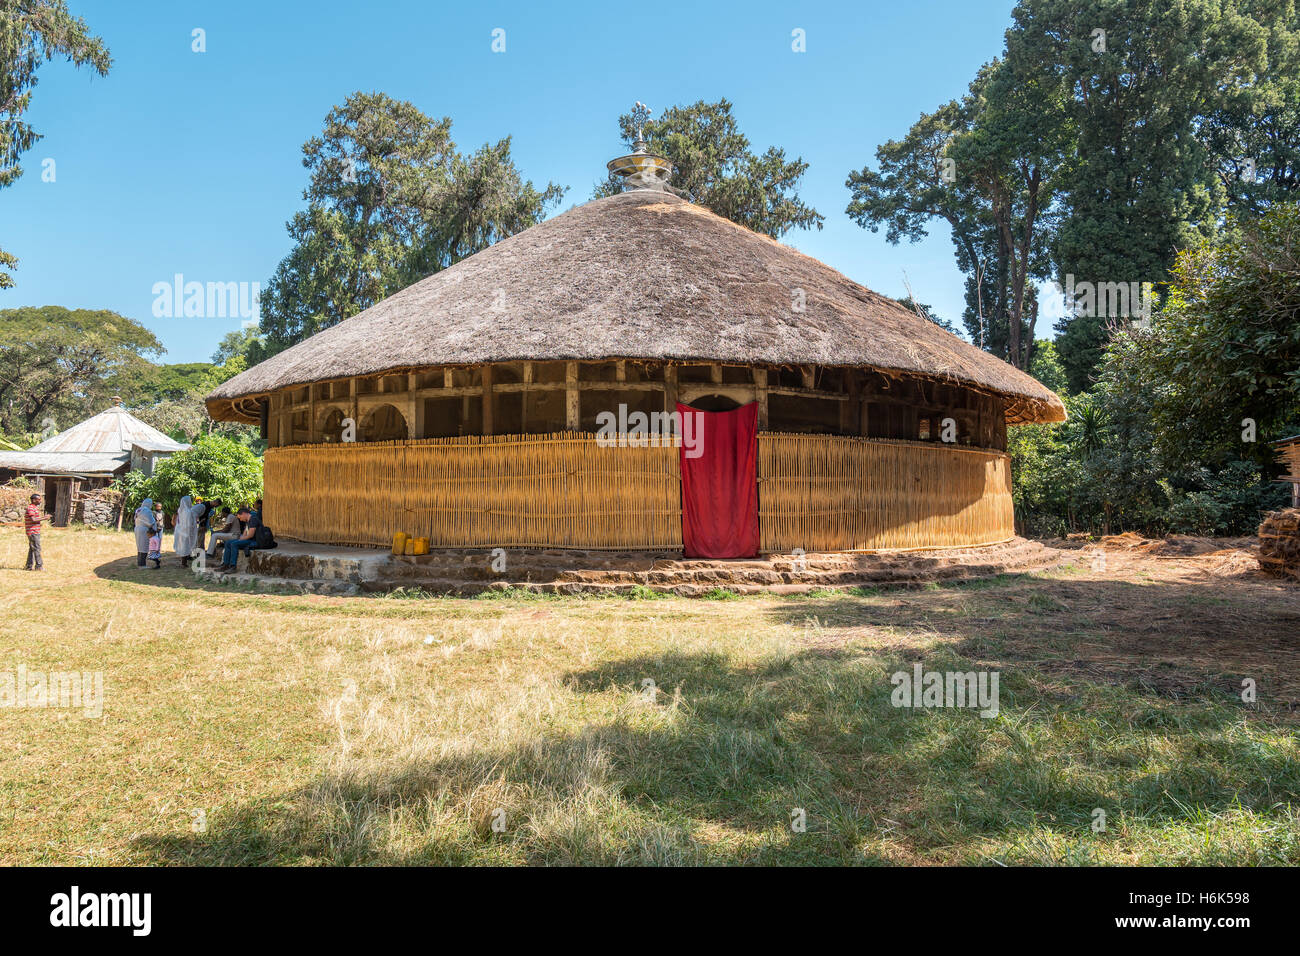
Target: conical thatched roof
{"points": [[639, 275]]}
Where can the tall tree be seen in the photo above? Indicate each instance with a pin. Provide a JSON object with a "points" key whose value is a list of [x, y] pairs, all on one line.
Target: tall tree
{"points": [[390, 201], [1015, 155], [33, 32], [716, 168], [989, 166], [60, 364], [235, 344], [1136, 76], [1254, 130], [917, 183]]}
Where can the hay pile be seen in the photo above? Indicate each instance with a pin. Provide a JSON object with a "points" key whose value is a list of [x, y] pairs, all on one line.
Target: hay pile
{"points": [[1279, 543]]}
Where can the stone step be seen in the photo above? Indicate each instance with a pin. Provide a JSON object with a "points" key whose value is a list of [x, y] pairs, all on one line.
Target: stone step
{"points": [[469, 571]]}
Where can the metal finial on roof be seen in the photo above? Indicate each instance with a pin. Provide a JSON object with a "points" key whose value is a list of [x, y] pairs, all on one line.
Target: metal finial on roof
{"points": [[640, 169], [640, 116]]}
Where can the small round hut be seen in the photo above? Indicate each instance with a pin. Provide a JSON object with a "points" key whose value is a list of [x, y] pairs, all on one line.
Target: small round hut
{"points": [[638, 373]]}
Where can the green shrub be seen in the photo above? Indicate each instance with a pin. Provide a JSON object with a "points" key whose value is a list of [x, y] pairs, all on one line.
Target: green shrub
{"points": [[216, 467]]}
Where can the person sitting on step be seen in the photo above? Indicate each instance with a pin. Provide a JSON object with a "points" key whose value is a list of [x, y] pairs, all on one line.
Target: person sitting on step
{"points": [[245, 542]]}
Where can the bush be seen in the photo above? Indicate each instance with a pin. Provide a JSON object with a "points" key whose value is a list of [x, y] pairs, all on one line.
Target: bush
{"points": [[216, 467]]}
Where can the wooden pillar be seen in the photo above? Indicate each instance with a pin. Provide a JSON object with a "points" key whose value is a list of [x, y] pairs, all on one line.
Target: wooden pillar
{"points": [[354, 408], [760, 396], [414, 409], [806, 373], [849, 409], [312, 435], [670, 388], [620, 370], [487, 399], [715, 373], [524, 398], [572, 397]]}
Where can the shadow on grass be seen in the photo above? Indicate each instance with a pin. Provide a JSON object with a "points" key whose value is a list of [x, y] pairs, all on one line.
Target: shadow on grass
{"points": [[714, 768], [172, 575], [1162, 636]]}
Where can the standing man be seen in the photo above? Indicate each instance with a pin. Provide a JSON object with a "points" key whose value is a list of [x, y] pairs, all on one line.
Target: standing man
{"points": [[32, 519]]}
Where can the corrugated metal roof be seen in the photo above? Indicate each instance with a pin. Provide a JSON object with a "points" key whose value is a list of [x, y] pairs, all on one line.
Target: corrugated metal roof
{"points": [[64, 463], [111, 431]]}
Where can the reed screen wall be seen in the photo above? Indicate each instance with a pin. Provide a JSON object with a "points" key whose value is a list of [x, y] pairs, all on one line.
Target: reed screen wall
{"points": [[816, 492], [562, 491], [825, 493]]}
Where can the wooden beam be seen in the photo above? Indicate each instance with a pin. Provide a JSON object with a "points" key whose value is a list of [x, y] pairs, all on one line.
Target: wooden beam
{"points": [[572, 398], [524, 398], [487, 400], [670, 388], [354, 408], [849, 409], [760, 396], [312, 434], [414, 408]]}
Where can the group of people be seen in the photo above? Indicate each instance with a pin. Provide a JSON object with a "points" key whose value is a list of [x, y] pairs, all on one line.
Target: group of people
{"points": [[234, 532]]}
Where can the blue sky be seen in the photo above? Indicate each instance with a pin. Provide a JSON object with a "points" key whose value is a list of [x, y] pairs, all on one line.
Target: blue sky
{"points": [[184, 162]]}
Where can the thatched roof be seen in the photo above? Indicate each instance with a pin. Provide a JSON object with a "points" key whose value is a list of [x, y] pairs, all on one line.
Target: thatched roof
{"points": [[639, 275]]}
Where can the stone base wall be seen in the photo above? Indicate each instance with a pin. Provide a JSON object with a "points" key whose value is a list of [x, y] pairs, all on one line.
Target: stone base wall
{"points": [[99, 508], [13, 502]]}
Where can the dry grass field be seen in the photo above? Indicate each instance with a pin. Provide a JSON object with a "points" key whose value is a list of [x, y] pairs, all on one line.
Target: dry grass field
{"points": [[243, 727]]}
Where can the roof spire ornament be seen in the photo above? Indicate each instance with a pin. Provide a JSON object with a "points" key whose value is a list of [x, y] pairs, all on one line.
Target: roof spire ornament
{"points": [[640, 116], [640, 169]]}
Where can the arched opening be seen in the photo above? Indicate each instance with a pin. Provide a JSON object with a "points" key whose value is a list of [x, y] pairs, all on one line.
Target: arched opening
{"points": [[331, 428], [385, 423]]}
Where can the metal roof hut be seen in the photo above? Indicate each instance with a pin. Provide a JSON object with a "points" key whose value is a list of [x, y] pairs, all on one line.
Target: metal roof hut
{"points": [[88, 456], [463, 407]]}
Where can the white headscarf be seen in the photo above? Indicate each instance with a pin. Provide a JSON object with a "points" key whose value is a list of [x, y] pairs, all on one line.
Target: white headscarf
{"points": [[187, 527]]}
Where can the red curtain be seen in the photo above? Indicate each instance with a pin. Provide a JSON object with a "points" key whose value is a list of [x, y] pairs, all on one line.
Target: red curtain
{"points": [[720, 484]]}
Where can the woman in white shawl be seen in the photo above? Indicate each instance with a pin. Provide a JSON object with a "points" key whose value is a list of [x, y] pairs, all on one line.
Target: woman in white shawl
{"points": [[145, 523], [186, 535]]}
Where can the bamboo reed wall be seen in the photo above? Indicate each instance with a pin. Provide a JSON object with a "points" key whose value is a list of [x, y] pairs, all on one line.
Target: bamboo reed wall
{"points": [[826, 493], [506, 491], [816, 492]]}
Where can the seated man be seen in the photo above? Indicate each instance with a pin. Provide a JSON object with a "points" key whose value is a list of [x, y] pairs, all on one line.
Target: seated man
{"points": [[245, 542], [225, 528]]}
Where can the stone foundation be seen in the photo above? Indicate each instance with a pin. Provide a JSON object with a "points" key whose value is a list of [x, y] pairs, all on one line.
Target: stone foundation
{"points": [[13, 502], [473, 571], [99, 508]]}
